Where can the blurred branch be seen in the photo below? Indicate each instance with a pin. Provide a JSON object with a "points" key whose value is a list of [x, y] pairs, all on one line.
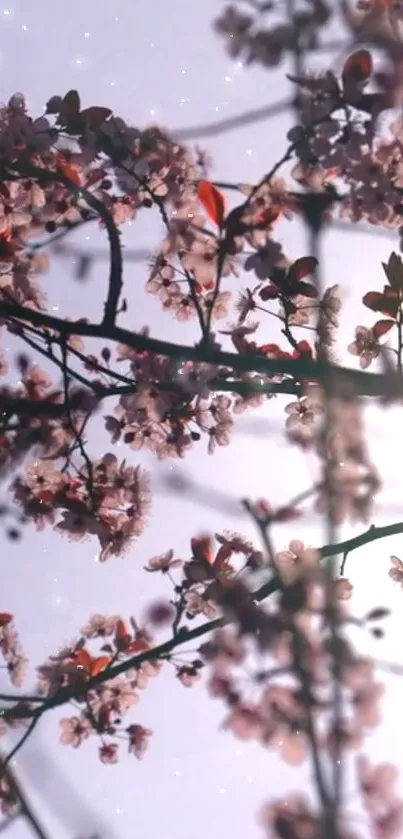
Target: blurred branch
{"points": [[32, 407], [214, 129], [116, 263], [25, 809], [9, 820], [131, 255]]}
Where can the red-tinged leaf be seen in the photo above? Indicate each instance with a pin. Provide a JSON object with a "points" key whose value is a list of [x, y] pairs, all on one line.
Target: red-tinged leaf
{"points": [[269, 349], [306, 289], [377, 302], [382, 327], [99, 664], [358, 67], [263, 508], [202, 549], [286, 356], [285, 514], [303, 267], [83, 659], [269, 215], [122, 635], [5, 618], [46, 496], [70, 172], [121, 629], [221, 560], [269, 292], [213, 201], [302, 349]]}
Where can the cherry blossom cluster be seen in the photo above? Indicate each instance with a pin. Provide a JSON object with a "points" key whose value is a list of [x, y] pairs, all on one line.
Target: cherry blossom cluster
{"points": [[100, 710], [109, 641], [105, 498], [12, 652], [165, 405]]}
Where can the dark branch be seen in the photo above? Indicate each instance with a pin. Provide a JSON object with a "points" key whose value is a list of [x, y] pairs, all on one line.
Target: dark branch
{"points": [[27, 170], [366, 384]]}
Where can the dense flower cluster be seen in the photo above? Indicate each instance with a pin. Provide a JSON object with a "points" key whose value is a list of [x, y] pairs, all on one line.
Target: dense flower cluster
{"points": [[167, 405]]}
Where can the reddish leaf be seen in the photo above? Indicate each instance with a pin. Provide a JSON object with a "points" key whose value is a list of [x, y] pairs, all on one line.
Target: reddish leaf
{"points": [[213, 201], [285, 514], [303, 267], [83, 660], [91, 666], [269, 215], [382, 327], [270, 349], [307, 290], [286, 356], [70, 172], [46, 496], [387, 304], [263, 508], [358, 67], [202, 549], [122, 635], [221, 560], [269, 292], [302, 349], [5, 618], [99, 664]]}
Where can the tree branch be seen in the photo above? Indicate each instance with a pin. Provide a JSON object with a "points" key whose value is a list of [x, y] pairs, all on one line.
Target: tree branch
{"points": [[184, 635], [28, 170], [366, 384], [25, 808]]}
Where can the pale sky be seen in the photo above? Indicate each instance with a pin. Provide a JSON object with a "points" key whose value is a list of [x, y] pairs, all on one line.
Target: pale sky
{"points": [[153, 60]]}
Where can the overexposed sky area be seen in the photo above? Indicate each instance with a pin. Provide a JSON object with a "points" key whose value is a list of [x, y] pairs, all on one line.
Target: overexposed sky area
{"points": [[154, 60]]}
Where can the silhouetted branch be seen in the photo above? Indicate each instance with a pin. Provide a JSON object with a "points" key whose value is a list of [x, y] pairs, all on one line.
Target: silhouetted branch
{"points": [[214, 129], [25, 808], [366, 384], [116, 265]]}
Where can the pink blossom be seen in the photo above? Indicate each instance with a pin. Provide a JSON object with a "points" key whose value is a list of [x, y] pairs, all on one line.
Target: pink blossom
{"points": [[139, 738], [75, 730]]}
